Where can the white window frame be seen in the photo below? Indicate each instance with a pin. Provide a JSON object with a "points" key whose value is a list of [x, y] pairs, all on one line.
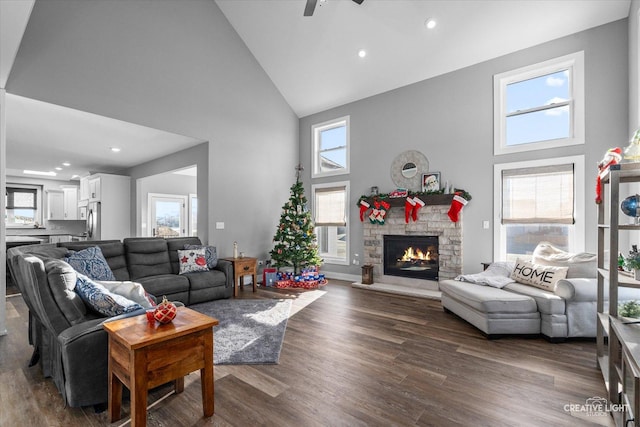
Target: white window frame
{"points": [[346, 185], [573, 62], [39, 201], [190, 220], [315, 142], [577, 232]]}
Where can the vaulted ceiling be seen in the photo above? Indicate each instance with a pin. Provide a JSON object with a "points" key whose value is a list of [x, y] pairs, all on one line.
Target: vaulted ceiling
{"points": [[313, 61]]}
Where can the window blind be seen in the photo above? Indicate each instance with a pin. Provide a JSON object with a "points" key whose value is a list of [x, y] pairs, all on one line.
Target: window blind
{"points": [[539, 195], [330, 204], [21, 198]]}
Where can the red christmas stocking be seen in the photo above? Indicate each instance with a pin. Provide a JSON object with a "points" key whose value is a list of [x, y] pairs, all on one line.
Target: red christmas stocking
{"points": [[364, 206], [384, 207], [373, 216], [457, 204], [408, 207], [418, 204]]}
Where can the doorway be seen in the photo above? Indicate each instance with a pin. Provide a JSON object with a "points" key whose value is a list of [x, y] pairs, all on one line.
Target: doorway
{"points": [[167, 215]]}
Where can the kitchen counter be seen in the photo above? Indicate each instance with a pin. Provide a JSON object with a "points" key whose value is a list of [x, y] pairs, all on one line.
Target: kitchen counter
{"points": [[13, 241]]}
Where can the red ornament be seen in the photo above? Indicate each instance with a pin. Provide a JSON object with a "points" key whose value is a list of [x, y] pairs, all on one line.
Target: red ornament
{"points": [[165, 311], [201, 261]]}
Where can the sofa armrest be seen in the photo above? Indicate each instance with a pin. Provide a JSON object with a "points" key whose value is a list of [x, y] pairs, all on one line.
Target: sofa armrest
{"points": [[227, 268], [587, 290], [582, 289], [84, 350]]}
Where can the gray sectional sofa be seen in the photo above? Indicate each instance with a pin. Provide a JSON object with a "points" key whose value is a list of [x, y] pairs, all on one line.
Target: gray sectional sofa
{"points": [[67, 337], [567, 311]]}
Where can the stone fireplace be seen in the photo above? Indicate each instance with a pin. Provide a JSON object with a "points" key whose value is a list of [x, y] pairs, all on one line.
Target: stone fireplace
{"points": [[432, 221]]}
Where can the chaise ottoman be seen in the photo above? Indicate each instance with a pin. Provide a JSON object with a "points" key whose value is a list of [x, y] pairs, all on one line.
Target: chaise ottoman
{"points": [[492, 310]]}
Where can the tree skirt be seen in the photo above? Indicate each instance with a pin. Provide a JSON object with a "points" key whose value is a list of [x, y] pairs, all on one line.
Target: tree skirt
{"points": [[250, 331]]}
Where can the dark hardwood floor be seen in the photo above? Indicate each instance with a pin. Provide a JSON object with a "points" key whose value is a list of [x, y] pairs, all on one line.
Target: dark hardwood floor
{"points": [[350, 357]]}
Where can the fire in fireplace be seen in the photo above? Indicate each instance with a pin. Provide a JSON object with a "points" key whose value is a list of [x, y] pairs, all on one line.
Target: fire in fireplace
{"points": [[411, 256]]}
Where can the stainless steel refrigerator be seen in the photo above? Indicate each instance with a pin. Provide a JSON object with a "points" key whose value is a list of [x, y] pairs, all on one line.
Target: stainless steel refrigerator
{"points": [[94, 221]]}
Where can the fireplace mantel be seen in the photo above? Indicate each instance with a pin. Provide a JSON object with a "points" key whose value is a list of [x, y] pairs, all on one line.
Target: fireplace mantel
{"points": [[429, 200]]}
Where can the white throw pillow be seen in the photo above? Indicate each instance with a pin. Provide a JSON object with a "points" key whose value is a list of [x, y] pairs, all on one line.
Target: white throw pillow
{"points": [[580, 265], [130, 290], [540, 276]]}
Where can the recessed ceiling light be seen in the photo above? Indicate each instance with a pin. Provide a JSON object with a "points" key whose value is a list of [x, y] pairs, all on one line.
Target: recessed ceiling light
{"points": [[115, 149], [66, 164], [58, 168], [362, 53], [430, 23], [29, 172]]}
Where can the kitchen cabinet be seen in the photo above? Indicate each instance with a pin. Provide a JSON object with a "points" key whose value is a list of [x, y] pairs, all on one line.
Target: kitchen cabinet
{"points": [[84, 189], [62, 204], [59, 238], [95, 188], [70, 203], [55, 205]]}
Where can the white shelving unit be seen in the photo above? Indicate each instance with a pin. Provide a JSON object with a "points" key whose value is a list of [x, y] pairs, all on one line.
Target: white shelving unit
{"points": [[618, 342]]}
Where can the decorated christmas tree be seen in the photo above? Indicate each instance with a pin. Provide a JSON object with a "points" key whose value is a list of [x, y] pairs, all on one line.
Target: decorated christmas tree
{"points": [[295, 241]]}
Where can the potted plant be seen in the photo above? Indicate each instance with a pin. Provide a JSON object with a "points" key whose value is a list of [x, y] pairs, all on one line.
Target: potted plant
{"points": [[632, 262], [629, 309]]}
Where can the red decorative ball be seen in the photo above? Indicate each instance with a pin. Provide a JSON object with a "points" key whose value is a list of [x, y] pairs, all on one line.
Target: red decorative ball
{"points": [[166, 311]]}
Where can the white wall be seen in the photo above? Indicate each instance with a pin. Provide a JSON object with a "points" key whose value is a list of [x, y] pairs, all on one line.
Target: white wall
{"points": [[450, 119], [177, 66]]}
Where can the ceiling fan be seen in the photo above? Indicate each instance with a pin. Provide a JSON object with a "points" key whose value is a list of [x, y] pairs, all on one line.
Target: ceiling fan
{"points": [[311, 6]]}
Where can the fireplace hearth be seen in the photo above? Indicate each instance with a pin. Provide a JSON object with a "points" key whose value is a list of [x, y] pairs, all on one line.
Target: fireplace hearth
{"points": [[411, 256]]}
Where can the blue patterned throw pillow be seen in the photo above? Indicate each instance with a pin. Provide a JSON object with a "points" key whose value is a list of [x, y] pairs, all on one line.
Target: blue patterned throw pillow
{"points": [[211, 254], [90, 262], [99, 299]]}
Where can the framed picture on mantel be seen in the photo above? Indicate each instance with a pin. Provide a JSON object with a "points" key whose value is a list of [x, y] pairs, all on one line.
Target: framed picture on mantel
{"points": [[431, 181]]}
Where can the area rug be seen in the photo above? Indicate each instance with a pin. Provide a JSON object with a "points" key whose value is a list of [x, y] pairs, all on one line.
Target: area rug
{"points": [[250, 331]]}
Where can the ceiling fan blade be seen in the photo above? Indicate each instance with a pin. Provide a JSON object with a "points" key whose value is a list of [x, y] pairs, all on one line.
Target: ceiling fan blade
{"points": [[310, 7], [358, 1]]}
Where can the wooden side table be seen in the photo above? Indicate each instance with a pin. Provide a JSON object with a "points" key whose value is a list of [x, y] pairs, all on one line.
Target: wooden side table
{"points": [[144, 355], [243, 267]]}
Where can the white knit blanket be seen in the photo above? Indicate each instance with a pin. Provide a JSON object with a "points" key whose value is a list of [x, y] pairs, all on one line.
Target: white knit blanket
{"points": [[498, 275]]}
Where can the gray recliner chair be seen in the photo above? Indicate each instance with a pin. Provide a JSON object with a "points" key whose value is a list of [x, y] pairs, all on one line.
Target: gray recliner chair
{"points": [[72, 350]]}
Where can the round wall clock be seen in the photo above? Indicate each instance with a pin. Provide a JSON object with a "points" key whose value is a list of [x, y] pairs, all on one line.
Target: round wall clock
{"points": [[407, 169]]}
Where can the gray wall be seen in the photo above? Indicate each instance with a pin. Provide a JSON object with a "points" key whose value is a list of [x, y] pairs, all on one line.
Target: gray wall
{"points": [[198, 156], [180, 69], [450, 119]]}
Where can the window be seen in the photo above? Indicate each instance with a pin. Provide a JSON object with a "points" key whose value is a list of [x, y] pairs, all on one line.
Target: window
{"points": [[540, 200], [331, 215], [330, 148], [540, 106], [22, 206]]}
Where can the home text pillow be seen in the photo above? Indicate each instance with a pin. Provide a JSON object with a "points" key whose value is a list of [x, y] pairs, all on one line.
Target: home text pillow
{"points": [[211, 254], [192, 260], [540, 276], [90, 262], [582, 264], [133, 291], [99, 299]]}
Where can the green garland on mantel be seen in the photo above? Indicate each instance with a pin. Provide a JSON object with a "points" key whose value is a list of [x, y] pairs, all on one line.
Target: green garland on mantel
{"points": [[464, 194]]}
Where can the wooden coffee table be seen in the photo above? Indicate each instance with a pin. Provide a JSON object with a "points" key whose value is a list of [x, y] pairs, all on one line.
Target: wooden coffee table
{"points": [[143, 356]]}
